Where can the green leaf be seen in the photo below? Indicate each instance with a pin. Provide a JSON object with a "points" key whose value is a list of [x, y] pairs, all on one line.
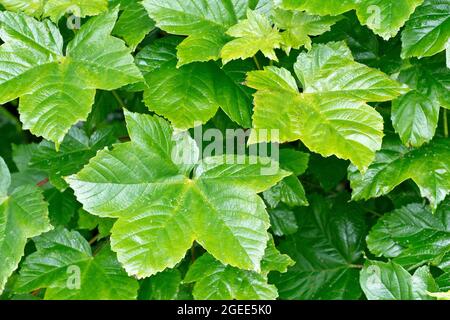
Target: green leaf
{"points": [[204, 22], [415, 118], [192, 93], [162, 286], [90, 222], [23, 215], [427, 166], [149, 190], [133, 24], [331, 116], [58, 90], [213, 280], [389, 281], [413, 235], [283, 221], [65, 265], [384, 17], [428, 30], [299, 26], [326, 249], [253, 34], [62, 206]]}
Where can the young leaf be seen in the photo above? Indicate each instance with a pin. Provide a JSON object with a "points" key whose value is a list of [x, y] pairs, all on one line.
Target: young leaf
{"points": [[328, 244], [427, 166], [331, 115], [428, 30], [253, 34], [65, 265], [142, 184], [23, 215], [389, 281], [58, 90]]}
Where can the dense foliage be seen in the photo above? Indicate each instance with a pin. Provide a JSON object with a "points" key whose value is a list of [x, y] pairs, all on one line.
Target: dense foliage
{"points": [[107, 191]]}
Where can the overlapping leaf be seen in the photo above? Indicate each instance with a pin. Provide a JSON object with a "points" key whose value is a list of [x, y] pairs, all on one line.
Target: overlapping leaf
{"points": [[428, 167], [331, 115], [145, 183], [57, 90], [66, 266], [23, 215]]}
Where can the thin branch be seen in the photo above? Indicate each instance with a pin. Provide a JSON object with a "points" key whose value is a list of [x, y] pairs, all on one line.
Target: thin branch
{"points": [[119, 99]]}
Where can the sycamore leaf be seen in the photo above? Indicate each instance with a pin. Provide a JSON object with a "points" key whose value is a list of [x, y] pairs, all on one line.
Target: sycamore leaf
{"points": [[204, 22], [331, 116], [162, 286], [389, 281], [384, 17], [23, 215], [412, 235], [428, 167], [55, 9], [56, 91], [283, 221], [328, 245], [145, 186], [192, 93], [65, 265], [134, 23], [298, 26], [215, 281], [253, 34], [428, 30]]}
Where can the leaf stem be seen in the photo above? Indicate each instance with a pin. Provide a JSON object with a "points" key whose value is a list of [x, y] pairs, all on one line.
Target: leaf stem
{"points": [[42, 182], [119, 99], [94, 239], [258, 66], [445, 123]]}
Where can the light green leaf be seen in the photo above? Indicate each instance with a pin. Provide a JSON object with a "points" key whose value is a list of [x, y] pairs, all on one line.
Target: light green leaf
{"points": [[326, 249], [65, 265], [389, 281], [412, 235], [384, 17], [428, 167], [58, 90], [253, 34], [191, 94], [23, 215], [156, 201], [204, 22], [331, 116], [299, 26], [428, 30]]}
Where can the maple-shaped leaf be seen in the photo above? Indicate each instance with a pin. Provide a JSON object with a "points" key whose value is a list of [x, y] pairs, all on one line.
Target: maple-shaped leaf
{"points": [[389, 281], [162, 286], [254, 34], [326, 249], [299, 26], [65, 265], [384, 17], [133, 23], [330, 116], [23, 215], [163, 198], [428, 30], [57, 90], [55, 9], [412, 235], [204, 22], [428, 167], [216, 281], [193, 93]]}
